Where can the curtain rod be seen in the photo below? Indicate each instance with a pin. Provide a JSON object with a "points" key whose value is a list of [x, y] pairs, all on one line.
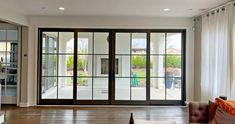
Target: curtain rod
{"points": [[215, 8]]}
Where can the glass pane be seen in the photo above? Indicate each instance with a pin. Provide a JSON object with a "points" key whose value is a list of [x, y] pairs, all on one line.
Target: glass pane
{"points": [[173, 66], [174, 43], [85, 43], [123, 43], [84, 65], [65, 88], [157, 66], [138, 66], [101, 65], [3, 46], [12, 35], [49, 65], [3, 57], [138, 88], [157, 90], [2, 34], [122, 88], [157, 43], [49, 87], [100, 88], [84, 88], [139, 43], [66, 42], [173, 88], [101, 43], [122, 66], [50, 42], [65, 65], [12, 79]]}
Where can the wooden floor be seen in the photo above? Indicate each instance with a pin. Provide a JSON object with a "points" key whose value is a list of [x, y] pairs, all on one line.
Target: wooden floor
{"points": [[91, 115]]}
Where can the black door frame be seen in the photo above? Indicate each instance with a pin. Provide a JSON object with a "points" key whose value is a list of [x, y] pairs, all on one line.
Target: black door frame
{"points": [[111, 77]]}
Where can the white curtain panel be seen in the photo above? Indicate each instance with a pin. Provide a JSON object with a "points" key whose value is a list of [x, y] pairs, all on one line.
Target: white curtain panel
{"points": [[216, 53], [233, 52]]}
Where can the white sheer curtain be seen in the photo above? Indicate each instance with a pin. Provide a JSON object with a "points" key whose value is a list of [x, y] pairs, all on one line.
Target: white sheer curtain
{"points": [[216, 53]]}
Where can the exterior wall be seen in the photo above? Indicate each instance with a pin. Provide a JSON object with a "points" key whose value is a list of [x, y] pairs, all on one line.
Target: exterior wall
{"points": [[107, 22]]}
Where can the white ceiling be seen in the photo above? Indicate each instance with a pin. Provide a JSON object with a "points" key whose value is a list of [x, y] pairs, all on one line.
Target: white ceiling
{"points": [[179, 8]]}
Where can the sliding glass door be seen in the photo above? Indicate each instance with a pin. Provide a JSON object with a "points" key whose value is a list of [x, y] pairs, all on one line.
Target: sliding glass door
{"points": [[93, 66], [111, 66], [57, 65], [130, 77]]}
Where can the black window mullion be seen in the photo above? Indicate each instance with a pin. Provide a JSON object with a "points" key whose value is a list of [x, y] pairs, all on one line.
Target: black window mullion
{"points": [[148, 68], [57, 64], [165, 64], [75, 66], [93, 56], [130, 65]]}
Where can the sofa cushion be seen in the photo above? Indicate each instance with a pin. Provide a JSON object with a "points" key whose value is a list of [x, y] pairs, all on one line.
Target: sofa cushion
{"points": [[222, 117], [198, 112], [227, 105]]}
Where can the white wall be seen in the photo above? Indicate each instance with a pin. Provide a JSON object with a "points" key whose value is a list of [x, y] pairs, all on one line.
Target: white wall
{"points": [[107, 22], [197, 59], [12, 17]]}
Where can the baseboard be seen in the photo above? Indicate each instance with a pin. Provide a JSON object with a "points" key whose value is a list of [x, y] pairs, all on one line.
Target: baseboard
{"points": [[24, 105]]}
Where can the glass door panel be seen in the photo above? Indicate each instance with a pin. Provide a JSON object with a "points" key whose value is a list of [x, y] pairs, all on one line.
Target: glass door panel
{"points": [[166, 66], [57, 65], [92, 66], [130, 82]]}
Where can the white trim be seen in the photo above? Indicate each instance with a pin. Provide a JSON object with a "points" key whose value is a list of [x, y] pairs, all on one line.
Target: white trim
{"points": [[23, 105], [18, 85]]}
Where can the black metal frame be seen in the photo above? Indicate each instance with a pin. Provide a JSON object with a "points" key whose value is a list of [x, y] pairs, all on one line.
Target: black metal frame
{"points": [[111, 77]]}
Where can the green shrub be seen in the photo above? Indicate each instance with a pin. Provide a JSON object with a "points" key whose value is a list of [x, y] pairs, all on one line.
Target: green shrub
{"points": [[173, 62], [138, 61]]}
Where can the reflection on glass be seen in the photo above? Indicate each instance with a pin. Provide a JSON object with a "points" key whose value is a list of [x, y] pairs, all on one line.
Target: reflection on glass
{"points": [[49, 42], [139, 43], [101, 42], [157, 89], [157, 43], [173, 88], [123, 43], [100, 88], [84, 88], [174, 43], [138, 88], [122, 88], [157, 66], [138, 66], [49, 89], [12, 35], [85, 42], [2, 34], [173, 66], [84, 65], [65, 88], [3, 46], [49, 67]]}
